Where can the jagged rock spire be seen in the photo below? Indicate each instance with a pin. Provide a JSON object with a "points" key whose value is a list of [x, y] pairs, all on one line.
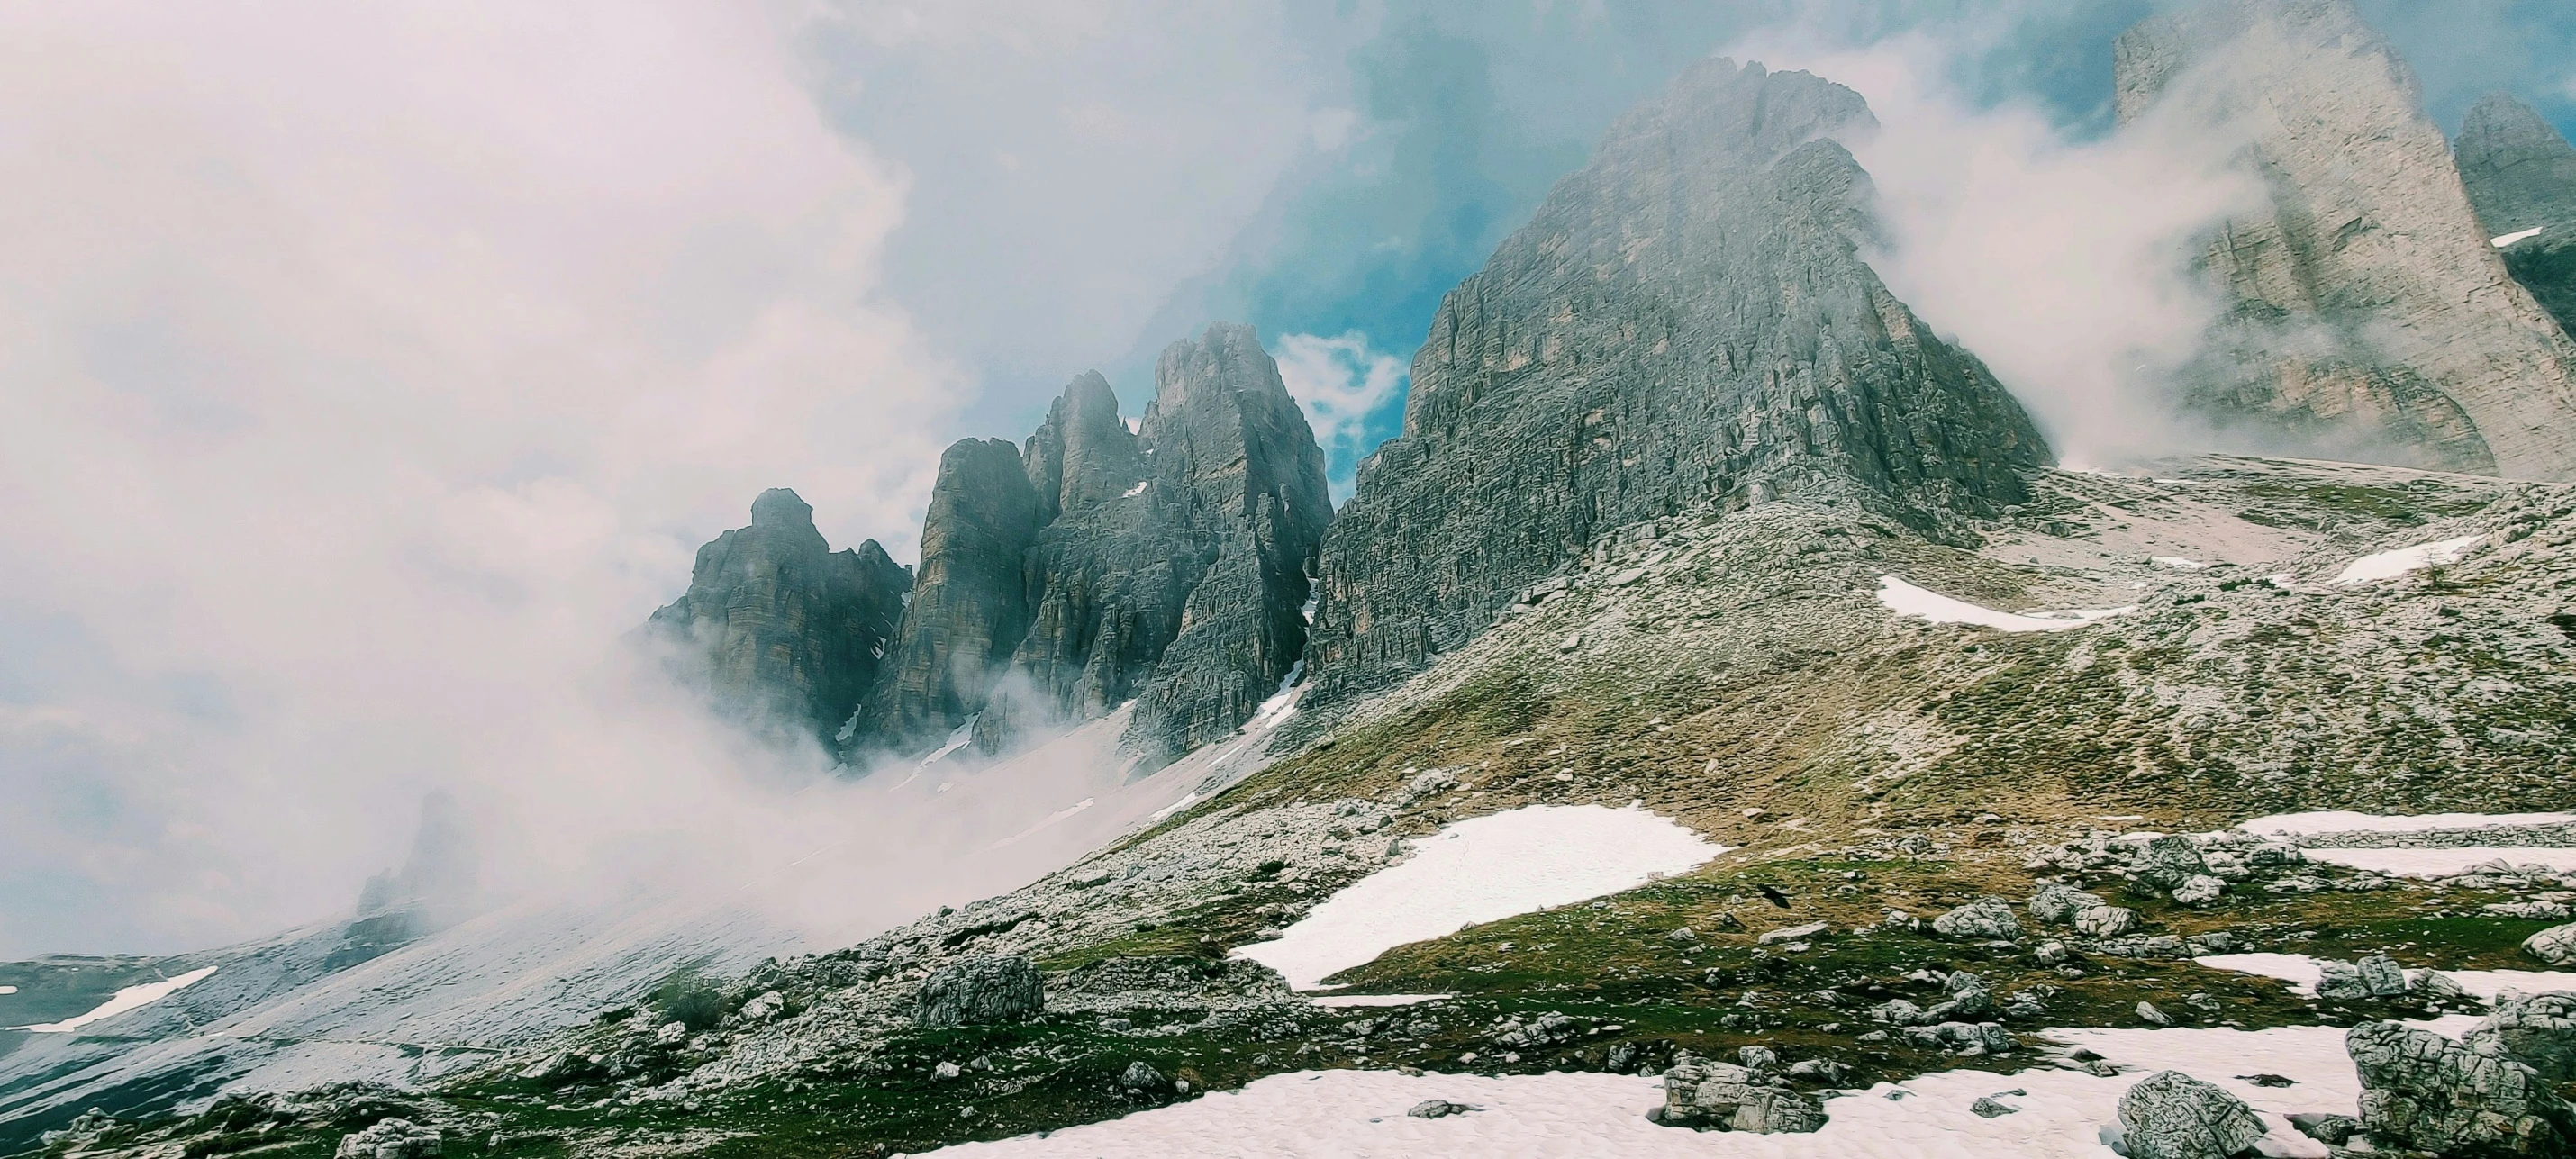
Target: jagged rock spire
{"points": [[2520, 175]]}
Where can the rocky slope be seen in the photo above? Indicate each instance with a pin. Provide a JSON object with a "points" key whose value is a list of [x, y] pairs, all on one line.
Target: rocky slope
{"points": [[2368, 316], [776, 629], [1167, 565], [1687, 320], [2521, 177]]}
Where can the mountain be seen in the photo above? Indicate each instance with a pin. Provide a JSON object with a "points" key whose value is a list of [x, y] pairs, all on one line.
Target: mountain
{"points": [[1167, 565], [1685, 323], [777, 630], [2520, 174], [2367, 314]]}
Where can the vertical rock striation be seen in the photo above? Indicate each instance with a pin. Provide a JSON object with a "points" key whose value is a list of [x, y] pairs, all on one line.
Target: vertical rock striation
{"points": [[970, 601], [1685, 321], [2368, 317], [2520, 175], [779, 631]]}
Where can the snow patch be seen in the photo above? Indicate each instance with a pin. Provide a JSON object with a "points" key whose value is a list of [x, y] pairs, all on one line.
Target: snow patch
{"points": [[957, 739], [2177, 562], [8, 989], [1377, 999], [1136, 490], [1905, 599], [2302, 973], [2440, 862], [2391, 564], [2340, 821], [1482, 870], [124, 1000], [2508, 239], [1051, 819]]}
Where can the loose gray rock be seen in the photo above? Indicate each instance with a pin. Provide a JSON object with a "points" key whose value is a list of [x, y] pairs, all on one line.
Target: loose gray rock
{"points": [[1437, 1109], [2106, 921], [2171, 1115], [2056, 904], [391, 1139], [1141, 1076], [2555, 945], [1717, 1096], [1987, 1108], [2331, 1130], [2198, 890], [2147, 1012], [978, 990], [1986, 919], [2426, 1092], [2169, 861]]}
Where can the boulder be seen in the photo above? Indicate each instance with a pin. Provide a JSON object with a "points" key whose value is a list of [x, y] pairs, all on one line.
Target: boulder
{"points": [[2199, 889], [2536, 1030], [2376, 976], [390, 1139], [2167, 862], [1141, 1076], [977, 990], [2426, 1092], [1717, 1096], [1437, 1109], [1986, 919], [2056, 904], [2555, 945], [2106, 921], [2171, 1115]]}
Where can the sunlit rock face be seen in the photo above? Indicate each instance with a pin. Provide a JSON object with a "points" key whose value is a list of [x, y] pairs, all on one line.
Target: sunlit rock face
{"points": [[1687, 321], [2367, 314]]}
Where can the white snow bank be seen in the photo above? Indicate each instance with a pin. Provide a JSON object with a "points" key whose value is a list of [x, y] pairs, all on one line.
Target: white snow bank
{"points": [[124, 1000], [2391, 564], [1905, 599], [2338, 821], [8, 989], [2176, 561], [1481, 870], [2508, 239], [1376, 999], [2302, 973], [2440, 862], [2061, 1113]]}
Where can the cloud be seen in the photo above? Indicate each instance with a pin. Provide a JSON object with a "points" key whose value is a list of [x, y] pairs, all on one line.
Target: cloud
{"points": [[370, 369], [1343, 385], [2063, 263]]}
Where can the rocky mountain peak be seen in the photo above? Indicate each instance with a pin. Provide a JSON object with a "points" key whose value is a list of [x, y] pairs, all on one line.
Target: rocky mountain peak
{"points": [[970, 601], [1686, 322], [779, 509], [2520, 174], [1083, 455], [2368, 316]]}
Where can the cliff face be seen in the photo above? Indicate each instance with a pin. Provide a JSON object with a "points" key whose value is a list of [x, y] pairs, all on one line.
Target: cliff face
{"points": [[2369, 317], [1099, 565], [779, 631], [2520, 175], [1686, 321]]}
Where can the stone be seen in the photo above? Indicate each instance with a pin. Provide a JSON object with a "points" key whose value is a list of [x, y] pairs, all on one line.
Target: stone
{"points": [[2555, 945], [2536, 1030], [2106, 921], [2051, 953], [1141, 1076], [2330, 1129], [2199, 889], [2056, 904], [977, 990], [945, 1071], [1689, 319], [1437, 1109], [2367, 316], [1789, 934], [391, 1139], [1987, 1108], [1986, 919], [2429, 1093], [1717, 1096], [2520, 175], [779, 632], [2381, 976], [2148, 1013], [2169, 861], [2171, 1115], [763, 1007]]}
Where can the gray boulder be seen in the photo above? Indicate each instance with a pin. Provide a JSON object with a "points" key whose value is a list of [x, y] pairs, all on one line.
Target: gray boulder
{"points": [[2555, 945], [2056, 904], [2171, 1115], [1437, 1109], [2536, 1030], [1718, 1096], [2376, 976], [978, 990], [2106, 921], [2168, 862], [2426, 1092], [1140, 1076], [1985, 919], [390, 1139], [2199, 889]]}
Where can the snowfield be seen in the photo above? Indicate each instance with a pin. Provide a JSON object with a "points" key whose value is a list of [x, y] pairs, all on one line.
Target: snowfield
{"points": [[1481, 870], [2337, 821], [2302, 972], [1905, 599], [2440, 862], [122, 1001], [2059, 1113], [2391, 564]]}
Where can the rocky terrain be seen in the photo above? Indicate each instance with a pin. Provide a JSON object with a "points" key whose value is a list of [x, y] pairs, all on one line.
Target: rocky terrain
{"points": [[1712, 717], [2369, 315], [2521, 176]]}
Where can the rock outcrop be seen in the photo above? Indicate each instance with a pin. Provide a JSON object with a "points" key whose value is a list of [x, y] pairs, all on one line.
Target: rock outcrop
{"points": [[2171, 1115], [2520, 175], [777, 630], [1686, 322], [1168, 565], [2425, 1092], [2367, 315], [978, 990]]}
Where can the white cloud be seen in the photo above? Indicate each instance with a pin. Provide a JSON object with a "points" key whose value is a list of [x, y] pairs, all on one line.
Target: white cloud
{"points": [[1341, 383], [370, 369]]}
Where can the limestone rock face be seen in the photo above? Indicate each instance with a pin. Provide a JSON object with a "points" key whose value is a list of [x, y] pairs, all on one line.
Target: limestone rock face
{"points": [[2422, 1091], [779, 631], [979, 990], [970, 602], [2171, 1115], [2521, 176], [2368, 317], [1686, 321], [1167, 565]]}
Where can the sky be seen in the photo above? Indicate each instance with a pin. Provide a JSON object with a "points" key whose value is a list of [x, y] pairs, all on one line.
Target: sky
{"points": [[371, 370]]}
